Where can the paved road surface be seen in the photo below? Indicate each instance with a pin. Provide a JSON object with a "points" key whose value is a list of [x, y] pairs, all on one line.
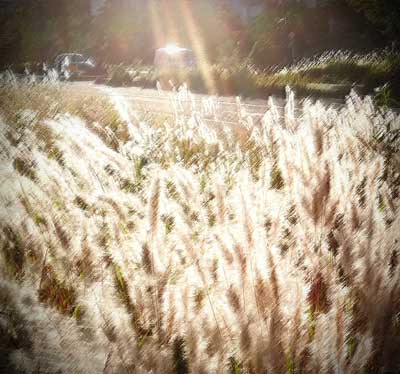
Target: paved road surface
{"points": [[223, 109]]}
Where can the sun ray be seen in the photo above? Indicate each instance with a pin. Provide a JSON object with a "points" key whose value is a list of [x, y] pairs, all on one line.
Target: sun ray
{"points": [[156, 24], [169, 17], [198, 45]]}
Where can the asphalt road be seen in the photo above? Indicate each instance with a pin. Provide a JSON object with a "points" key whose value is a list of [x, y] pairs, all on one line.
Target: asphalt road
{"points": [[220, 109]]}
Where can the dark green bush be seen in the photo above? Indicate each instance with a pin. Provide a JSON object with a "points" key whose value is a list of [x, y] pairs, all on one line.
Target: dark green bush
{"points": [[120, 76]]}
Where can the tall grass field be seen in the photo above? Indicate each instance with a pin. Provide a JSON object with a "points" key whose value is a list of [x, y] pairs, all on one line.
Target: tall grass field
{"points": [[154, 243]]}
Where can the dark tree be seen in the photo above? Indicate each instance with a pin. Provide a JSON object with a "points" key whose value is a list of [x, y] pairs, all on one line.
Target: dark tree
{"points": [[382, 14]]}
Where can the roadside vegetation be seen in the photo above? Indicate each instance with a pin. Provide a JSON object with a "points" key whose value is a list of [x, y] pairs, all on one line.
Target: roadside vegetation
{"points": [[135, 244], [332, 74]]}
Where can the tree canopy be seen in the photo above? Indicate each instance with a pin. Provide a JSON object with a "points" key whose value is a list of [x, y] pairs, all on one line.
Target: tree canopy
{"points": [[382, 14]]}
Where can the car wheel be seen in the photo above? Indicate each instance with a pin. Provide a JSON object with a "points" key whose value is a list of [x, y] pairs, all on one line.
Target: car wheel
{"points": [[70, 77]]}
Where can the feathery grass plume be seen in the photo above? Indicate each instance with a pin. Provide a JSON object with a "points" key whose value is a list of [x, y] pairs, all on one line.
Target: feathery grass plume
{"points": [[153, 207], [273, 245]]}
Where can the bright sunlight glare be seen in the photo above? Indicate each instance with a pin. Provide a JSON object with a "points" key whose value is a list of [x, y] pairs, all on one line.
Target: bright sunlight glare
{"points": [[173, 48]]}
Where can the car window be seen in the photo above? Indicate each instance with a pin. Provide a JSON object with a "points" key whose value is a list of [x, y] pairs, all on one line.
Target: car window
{"points": [[77, 58], [59, 58]]}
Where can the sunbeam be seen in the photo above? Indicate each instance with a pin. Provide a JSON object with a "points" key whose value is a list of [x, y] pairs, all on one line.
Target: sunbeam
{"points": [[198, 47]]}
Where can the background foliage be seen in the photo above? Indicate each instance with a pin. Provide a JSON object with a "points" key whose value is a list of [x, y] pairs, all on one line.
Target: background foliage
{"points": [[120, 32]]}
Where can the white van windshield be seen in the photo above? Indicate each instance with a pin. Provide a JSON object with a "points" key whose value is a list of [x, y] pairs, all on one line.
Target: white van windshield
{"points": [[176, 57]]}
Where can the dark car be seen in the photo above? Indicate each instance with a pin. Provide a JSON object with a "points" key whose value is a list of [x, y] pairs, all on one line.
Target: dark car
{"points": [[72, 66]]}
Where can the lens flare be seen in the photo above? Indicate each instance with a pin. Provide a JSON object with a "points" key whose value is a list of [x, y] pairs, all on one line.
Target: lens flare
{"points": [[172, 49]]}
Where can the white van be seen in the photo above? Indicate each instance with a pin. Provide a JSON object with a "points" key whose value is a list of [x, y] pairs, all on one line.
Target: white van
{"points": [[173, 57]]}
